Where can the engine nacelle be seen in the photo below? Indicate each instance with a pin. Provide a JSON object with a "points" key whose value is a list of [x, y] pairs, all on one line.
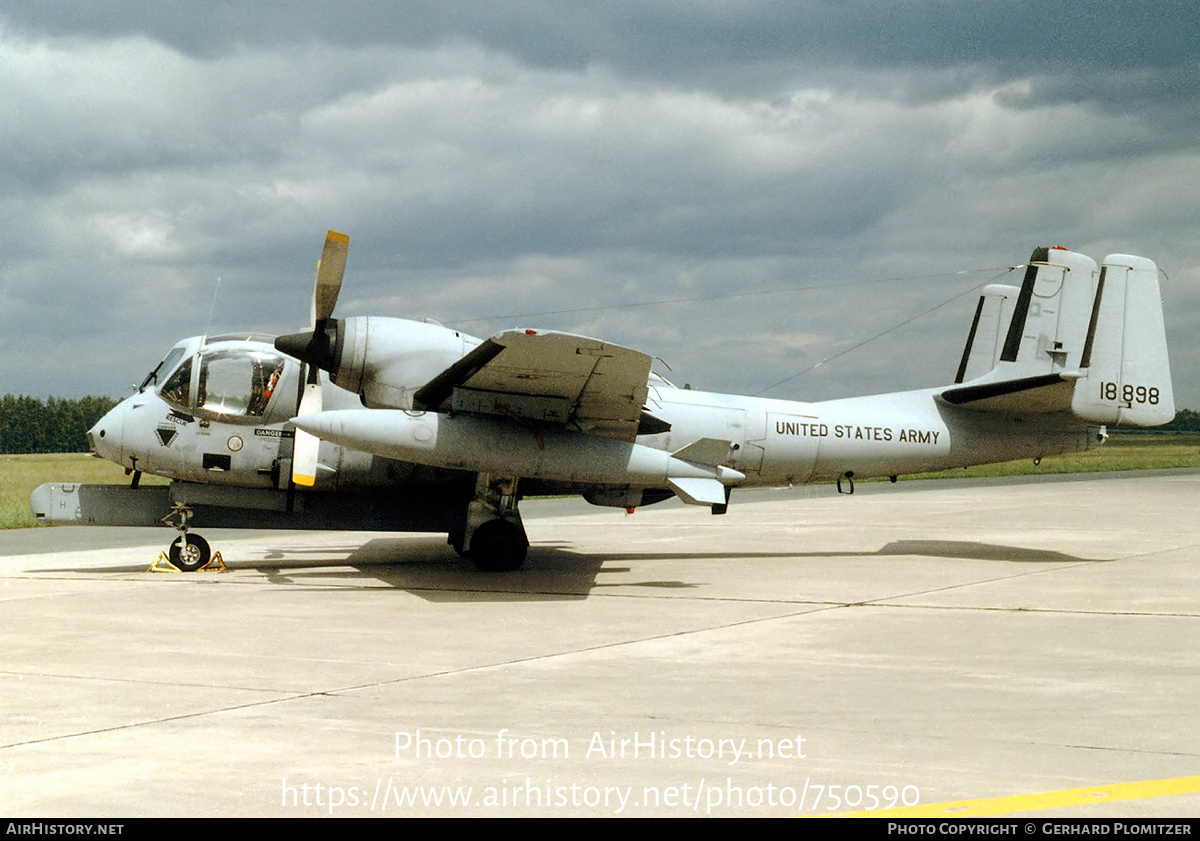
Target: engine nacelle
{"points": [[383, 360]]}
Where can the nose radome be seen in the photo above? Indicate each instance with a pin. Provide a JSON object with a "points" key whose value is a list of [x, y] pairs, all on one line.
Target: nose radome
{"points": [[104, 438], [97, 434]]}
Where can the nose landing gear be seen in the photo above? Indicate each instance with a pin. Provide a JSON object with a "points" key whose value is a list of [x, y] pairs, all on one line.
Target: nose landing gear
{"points": [[188, 552]]}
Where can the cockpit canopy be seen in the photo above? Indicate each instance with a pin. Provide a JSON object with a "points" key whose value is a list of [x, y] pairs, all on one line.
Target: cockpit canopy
{"points": [[230, 378]]}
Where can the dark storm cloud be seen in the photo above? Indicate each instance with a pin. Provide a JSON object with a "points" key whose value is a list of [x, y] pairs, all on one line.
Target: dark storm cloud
{"points": [[668, 36], [542, 157]]}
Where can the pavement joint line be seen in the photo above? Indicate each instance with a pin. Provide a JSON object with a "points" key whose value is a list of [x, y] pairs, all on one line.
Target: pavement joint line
{"points": [[346, 690]]}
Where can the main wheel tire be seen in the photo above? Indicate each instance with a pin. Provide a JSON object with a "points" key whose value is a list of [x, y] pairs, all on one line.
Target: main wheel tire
{"points": [[499, 546], [190, 552]]}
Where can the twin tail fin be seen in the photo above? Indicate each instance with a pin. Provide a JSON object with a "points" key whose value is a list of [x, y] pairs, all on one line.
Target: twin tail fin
{"points": [[1073, 337]]}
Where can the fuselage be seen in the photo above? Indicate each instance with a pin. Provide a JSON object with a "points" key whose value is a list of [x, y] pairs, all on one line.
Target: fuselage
{"points": [[789, 442], [222, 414]]}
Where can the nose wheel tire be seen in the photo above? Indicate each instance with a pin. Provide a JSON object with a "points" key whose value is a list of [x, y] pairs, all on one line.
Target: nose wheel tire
{"points": [[190, 552]]}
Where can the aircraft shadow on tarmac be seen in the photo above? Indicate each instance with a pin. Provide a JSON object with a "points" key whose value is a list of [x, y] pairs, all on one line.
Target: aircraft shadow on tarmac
{"points": [[429, 569], [969, 550]]}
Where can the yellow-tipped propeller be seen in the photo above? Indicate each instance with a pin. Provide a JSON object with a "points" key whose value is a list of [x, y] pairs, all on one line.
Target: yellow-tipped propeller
{"points": [[332, 266]]}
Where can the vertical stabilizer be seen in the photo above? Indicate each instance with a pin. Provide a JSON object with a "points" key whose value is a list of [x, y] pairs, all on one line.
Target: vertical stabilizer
{"points": [[1036, 330], [1071, 338], [1127, 376], [1050, 316], [986, 336]]}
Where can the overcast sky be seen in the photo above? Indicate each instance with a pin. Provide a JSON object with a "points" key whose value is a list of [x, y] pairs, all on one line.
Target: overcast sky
{"points": [[743, 189]]}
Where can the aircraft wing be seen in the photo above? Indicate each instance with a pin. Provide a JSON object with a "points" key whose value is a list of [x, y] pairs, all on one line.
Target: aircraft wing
{"points": [[582, 383]]}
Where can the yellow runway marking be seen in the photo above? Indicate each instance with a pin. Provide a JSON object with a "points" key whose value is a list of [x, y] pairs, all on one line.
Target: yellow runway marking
{"points": [[993, 806]]}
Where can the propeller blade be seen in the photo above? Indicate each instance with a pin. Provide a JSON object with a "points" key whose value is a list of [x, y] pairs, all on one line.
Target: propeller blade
{"points": [[329, 276], [330, 268], [305, 447]]}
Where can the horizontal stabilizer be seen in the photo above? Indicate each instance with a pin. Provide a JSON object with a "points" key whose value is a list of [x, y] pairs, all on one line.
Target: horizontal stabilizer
{"points": [[698, 491], [1025, 396]]}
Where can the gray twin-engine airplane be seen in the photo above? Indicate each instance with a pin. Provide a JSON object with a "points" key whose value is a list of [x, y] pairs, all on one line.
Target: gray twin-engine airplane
{"points": [[398, 425]]}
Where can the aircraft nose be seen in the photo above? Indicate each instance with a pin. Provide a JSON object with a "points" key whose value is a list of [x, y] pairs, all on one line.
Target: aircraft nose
{"points": [[104, 438]]}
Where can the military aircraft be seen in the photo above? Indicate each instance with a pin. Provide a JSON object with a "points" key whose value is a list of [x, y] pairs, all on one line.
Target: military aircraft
{"points": [[401, 425]]}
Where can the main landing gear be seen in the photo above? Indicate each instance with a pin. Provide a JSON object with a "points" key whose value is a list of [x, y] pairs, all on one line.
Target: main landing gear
{"points": [[494, 537]]}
